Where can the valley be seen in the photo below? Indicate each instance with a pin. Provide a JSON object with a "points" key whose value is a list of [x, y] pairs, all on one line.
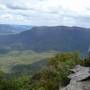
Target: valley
{"points": [[40, 58], [22, 59], [44, 44]]}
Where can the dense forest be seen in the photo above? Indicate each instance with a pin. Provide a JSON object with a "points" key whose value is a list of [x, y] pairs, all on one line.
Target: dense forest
{"points": [[49, 78]]}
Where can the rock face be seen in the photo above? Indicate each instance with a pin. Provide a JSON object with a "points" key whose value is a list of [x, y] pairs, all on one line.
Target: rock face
{"points": [[80, 80]]}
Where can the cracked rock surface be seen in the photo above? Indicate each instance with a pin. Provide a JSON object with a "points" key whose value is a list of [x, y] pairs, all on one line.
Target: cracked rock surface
{"points": [[80, 79]]}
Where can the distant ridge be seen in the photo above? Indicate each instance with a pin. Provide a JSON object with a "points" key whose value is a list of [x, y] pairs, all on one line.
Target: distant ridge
{"points": [[10, 29], [44, 38]]}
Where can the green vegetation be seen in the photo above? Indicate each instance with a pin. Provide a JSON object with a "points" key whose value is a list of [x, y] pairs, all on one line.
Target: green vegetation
{"points": [[56, 73], [50, 78], [14, 58]]}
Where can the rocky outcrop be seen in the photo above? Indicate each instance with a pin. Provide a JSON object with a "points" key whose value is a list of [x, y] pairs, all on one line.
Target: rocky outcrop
{"points": [[80, 79]]}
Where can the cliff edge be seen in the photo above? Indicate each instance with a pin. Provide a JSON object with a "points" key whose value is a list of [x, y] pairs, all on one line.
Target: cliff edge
{"points": [[80, 79]]}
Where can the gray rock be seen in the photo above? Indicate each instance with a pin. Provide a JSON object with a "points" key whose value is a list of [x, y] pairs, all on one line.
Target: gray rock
{"points": [[79, 80], [73, 86], [78, 86], [80, 74]]}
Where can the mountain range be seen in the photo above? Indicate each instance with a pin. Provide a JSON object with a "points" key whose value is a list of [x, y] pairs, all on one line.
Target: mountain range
{"points": [[11, 29], [45, 38]]}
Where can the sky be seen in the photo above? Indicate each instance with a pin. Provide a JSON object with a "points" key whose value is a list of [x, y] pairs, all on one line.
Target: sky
{"points": [[46, 12]]}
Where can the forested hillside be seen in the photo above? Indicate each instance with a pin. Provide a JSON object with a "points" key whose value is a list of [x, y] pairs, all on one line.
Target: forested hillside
{"points": [[51, 77], [59, 38]]}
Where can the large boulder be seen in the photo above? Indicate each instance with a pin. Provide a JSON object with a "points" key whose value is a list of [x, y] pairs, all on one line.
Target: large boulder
{"points": [[80, 79], [80, 73]]}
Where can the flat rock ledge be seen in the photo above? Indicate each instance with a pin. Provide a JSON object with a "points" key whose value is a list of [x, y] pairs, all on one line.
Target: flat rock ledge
{"points": [[80, 79]]}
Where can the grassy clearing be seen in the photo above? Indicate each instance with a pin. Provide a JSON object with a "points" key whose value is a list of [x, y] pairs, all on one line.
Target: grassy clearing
{"points": [[7, 61]]}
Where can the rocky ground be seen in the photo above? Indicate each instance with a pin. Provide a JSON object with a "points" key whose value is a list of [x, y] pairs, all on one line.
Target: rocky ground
{"points": [[79, 80]]}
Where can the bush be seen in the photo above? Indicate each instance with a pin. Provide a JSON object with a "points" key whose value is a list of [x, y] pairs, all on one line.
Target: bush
{"points": [[56, 73]]}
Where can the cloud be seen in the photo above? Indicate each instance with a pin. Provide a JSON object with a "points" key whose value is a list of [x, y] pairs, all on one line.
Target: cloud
{"points": [[46, 12]]}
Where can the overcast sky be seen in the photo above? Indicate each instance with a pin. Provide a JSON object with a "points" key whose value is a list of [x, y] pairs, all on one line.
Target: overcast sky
{"points": [[46, 12]]}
